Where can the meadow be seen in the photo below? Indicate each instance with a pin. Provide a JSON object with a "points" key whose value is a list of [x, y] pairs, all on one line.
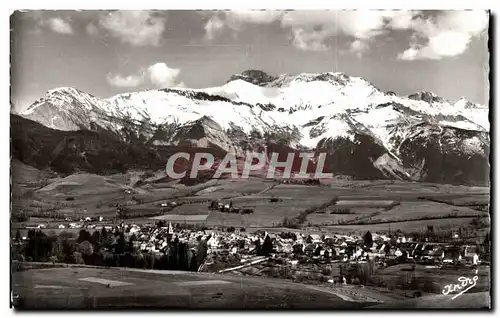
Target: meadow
{"points": [[359, 206]]}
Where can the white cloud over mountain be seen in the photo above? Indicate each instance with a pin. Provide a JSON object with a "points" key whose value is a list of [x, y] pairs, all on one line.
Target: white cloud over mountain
{"points": [[163, 76], [158, 74], [118, 80], [447, 35]]}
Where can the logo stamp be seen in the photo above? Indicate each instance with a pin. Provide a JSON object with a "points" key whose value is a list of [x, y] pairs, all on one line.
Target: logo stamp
{"points": [[464, 282]]}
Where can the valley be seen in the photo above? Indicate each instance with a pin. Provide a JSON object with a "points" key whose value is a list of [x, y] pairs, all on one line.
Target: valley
{"points": [[360, 205]]}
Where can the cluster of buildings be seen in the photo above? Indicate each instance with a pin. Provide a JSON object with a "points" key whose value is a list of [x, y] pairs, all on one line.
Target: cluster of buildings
{"points": [[69, 223], [295, 246], [292, 247]]}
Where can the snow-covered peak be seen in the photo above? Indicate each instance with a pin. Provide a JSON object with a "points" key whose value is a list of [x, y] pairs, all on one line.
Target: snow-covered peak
{"points": [[463, 103], [256, 77], [65, 90], [316, 105], [426, 96]]}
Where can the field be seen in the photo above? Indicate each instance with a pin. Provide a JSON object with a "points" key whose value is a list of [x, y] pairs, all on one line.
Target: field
{"points": [[80, 288], [360, 206], [181, 218], [438, 277], [362, 214], [406, 226]]}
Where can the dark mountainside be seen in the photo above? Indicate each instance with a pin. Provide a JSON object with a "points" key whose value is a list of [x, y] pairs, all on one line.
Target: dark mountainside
{"points": [[102, 152]]}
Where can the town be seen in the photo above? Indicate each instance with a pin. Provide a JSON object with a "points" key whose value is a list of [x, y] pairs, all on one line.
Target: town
{"points": [[298, 255]]}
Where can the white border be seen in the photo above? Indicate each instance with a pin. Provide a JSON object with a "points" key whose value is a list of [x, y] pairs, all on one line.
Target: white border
{"points": [[190, 4]]}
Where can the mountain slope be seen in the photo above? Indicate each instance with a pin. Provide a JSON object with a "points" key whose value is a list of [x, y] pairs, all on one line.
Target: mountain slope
{"points": [[367, 132], [71, 151]]}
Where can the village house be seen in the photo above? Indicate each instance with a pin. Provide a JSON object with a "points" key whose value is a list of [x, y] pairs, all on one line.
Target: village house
{"points": [[314, 238], [398, 252], [470, 255], [329, 241], [310, 248], [452, 255], [213, 242]]}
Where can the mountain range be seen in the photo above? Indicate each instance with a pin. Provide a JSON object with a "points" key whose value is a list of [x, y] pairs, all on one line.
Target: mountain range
{"points": [[367, 133]]}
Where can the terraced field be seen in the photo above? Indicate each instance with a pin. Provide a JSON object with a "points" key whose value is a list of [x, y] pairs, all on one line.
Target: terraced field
{"points": [[361, 204]]}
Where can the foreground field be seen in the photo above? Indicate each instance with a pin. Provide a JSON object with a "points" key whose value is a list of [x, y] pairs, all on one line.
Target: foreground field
{"points": [[466, 301], [80, 288], [84, 287]]}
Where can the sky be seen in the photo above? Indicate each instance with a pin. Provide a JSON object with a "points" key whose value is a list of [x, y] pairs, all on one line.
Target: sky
{"points": [[105, 53]]}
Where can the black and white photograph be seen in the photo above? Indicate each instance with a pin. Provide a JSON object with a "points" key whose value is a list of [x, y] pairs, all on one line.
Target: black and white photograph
{"points": [[250, 159]]}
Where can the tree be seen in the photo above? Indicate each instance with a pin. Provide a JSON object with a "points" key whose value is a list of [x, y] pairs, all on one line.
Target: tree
{"points": [[96, 239], [84, 236], [258, 247], [241, 244], [326, 255], [350, 250], [133, 238], [18, 236], [130, 245], [78, 258], [193, 263], [39, 246], [183, 257], [368, 240], [120, 244], [85, 248], [31, 233], [363, 272], [201, 252], [393, 240], [267, 246], [327, 270], [486, 242], [63, 248]]}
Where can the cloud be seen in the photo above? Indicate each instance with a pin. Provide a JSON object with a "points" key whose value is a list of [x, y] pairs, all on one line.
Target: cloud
{"points": [[359, 47], [139, 28], [449, 34], [361, 25], [434, 37], [118, 80], [213, 26], [308, 40], [91, 29], [158, 74], [57, 25], [161, 75], [234, 20], [255, 16], [309, 30]]}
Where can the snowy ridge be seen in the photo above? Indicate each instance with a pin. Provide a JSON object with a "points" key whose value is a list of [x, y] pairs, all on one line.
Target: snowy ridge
{"points": [[305, 109]]}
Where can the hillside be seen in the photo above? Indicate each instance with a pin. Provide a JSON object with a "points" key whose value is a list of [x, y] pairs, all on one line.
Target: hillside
{"points": [[368, 133]]}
